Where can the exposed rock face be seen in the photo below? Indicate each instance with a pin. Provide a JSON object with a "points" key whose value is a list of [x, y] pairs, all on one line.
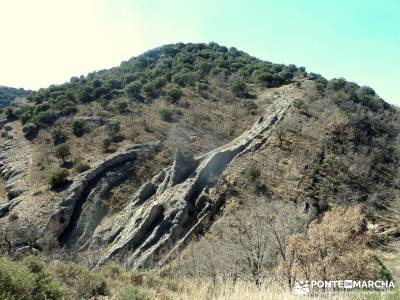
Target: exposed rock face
{"points": [[15, 160], [183, 166], [80, 209], [13, 167], [163, 213], [3, 121]]}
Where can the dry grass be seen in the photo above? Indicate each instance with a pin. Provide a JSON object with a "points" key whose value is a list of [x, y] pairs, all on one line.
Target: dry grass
{"points": [[239, 290], [3, 196], [243, 290]]}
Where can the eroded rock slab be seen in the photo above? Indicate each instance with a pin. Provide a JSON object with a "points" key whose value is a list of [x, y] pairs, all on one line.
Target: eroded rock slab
{"points": [[82, 198], [163, 213], [175, 204], [15, 161]]}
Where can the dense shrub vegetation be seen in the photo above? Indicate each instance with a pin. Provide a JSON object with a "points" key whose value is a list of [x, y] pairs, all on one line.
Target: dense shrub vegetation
{"points": [[151, 74], [166, 114], [164, 71], [62, 151], [364, 126], [28, 280], [81, 166], [58, 135], [79, 127], [8, 94], [30, 130], [58, 178], [174, 94], [36, 279]]}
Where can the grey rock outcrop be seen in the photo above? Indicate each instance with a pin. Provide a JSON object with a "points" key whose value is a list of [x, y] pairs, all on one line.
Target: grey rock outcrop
{"points": [[15, 161], [81, 198], [179, 206], [182, 167], [163, 213]]}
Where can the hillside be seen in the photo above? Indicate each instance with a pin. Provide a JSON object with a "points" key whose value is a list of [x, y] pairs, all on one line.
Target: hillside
{"points": [[8, 94], [190, 156]]}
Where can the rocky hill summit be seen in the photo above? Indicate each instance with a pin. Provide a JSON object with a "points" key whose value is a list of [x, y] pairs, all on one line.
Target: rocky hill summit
{"points": [[140, 162]]}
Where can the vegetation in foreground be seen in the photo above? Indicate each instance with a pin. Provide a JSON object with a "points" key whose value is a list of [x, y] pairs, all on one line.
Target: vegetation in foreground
{"points": [[33, 279], [312, 255]]}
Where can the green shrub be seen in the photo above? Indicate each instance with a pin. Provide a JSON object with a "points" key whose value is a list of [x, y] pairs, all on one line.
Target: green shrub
{"points": [[41, 107], [114, 131], [166, 114], [174, 95], [238, 87], [299, 104], [150, 89], [62, 151], [81, 166], [133, 89], [384, 272], [44, 118], [366, 90], [159, 82], [10, 113], [122, 106], [248, 104], [79, 127], [30, 130], [45, 285], [82, 283], [58, 135], [28, 280], [132, 293], [337, 83], [15, 280], [69, 110], [263, 76], [253, 173], [185, 78], [65, 105], [84, 94], [25, 117], [58, 178], [97, 83], [106, 144]]}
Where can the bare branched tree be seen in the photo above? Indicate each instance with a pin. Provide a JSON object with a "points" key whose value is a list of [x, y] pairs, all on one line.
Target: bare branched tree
{"points": [[248, 244]]}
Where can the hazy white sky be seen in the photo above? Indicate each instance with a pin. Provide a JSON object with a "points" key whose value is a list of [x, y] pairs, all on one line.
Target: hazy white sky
{"points": [[49, 41]]}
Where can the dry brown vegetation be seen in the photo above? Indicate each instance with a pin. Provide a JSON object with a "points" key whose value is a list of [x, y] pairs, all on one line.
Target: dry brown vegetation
{"points": [[333, 248], [273, 245], [259, 255]]}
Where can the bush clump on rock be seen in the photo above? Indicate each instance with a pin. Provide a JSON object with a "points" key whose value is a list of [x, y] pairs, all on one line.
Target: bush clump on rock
{"points": [[30, 130], [58, 178]]}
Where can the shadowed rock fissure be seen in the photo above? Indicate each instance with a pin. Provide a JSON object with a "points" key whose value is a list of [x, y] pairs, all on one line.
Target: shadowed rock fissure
{"points": [[79, 231]]}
